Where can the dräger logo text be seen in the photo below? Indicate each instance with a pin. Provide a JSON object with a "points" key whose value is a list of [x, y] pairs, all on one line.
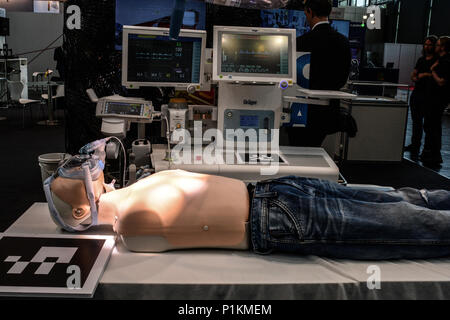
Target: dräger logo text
{"points": [[250, 102]]}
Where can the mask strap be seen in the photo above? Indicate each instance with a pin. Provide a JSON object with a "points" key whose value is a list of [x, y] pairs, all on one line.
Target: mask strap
{"points": [[90, 194], [51, 206]]}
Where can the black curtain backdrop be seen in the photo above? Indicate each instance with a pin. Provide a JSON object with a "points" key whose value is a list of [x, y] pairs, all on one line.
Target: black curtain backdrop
{"points": [[389, 22], [440, 24], [413, 21], [229, 16], [91, 62]]}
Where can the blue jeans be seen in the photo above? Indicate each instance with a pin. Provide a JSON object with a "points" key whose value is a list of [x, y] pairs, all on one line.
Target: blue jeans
{"points": [[317, 217]]}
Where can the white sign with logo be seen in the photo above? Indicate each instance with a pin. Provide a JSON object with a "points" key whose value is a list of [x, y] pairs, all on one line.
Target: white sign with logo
{"points": [[52, 265], [46, 6]]}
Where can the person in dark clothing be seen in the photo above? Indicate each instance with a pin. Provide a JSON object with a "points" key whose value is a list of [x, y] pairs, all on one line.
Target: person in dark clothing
{"points": [[420, 98], [440, 98], [58, 56], [330, 68]]}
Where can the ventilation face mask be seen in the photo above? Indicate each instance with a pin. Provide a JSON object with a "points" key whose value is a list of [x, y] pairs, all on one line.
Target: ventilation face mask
{"points": [[85, 168]]}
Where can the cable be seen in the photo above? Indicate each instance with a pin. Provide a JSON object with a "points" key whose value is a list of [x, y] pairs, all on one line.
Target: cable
{"points": [[45, 49], [169, 152], [169, 155], [176, 20], [124, 160], [35, 51]]}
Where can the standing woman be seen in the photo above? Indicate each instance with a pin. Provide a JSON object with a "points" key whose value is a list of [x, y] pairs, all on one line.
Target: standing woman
{"points": [[419, 102], [431, 154]]}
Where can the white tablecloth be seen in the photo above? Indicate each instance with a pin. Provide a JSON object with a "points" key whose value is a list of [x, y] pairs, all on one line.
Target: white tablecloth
{"points": [[223, 274]]}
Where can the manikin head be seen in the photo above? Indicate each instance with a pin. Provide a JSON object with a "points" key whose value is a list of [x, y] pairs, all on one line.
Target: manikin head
{"points": [[317, 11], [73, 193]]}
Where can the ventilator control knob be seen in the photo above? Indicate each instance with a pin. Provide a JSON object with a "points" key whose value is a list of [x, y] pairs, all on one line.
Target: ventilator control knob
{"points": [[191, 89], [284, 84]]}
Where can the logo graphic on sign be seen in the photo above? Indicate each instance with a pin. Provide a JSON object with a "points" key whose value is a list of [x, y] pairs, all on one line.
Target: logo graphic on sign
{"points": [[63, 255]]}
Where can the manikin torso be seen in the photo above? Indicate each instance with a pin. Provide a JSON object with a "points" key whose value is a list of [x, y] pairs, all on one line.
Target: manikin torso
{"points": [[179, 210]]}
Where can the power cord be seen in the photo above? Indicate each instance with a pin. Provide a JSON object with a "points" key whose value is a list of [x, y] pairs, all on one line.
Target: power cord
{"points": [[168, 156]]}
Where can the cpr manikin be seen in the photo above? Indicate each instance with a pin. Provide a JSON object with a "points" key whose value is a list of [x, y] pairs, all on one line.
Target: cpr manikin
{"points": [[183, 210], [166, 211]]}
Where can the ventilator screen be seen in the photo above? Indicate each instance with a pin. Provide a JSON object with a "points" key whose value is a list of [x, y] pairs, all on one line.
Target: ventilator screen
{"points": [[253, 54]]}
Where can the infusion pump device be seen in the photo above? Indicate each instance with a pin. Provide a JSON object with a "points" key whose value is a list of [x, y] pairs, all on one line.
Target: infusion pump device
{"points": [[134, 110], [118, 113]]}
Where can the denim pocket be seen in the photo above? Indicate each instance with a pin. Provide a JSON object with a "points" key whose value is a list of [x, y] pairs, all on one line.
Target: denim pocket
{"points": [[282, 224], [301, 188]]}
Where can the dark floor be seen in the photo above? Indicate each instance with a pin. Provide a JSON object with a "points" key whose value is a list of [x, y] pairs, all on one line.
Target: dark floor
{"points": [[20, 176], [21, 184], [444, 169]]}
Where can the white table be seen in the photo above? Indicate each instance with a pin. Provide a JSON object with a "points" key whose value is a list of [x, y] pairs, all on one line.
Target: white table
{"points": [[315, 97], [325, 94], [50, 101], [221, 274], [382, 84], [302, 162]]}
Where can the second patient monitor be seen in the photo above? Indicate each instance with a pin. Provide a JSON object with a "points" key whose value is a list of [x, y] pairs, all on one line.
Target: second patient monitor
{"points": [[151, 59]]}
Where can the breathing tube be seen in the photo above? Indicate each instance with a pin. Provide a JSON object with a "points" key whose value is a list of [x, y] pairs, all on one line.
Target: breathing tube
{"points": [[97, 148]]}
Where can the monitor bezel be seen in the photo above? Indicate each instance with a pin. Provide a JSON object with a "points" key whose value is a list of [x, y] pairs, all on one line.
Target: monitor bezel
{"points": [[254, 78], [156, 31]]}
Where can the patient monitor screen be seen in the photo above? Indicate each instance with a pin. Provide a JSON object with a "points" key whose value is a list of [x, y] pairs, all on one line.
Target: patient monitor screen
{"points": [[153, 59], [255, 54]]}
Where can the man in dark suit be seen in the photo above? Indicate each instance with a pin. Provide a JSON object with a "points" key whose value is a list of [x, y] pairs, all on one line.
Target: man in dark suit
{"points": [[330, 68]]}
